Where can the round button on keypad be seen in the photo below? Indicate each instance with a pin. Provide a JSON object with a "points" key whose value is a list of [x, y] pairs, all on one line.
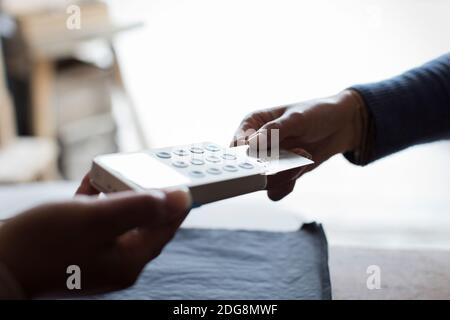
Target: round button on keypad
{"points": [[197, 162], [181, 152], [197, 150], [246, 165], [230, 168], [164, 155], [229, 156], [212, 148], [180, 164], [213, 159], [214, 171], [197, 174]]}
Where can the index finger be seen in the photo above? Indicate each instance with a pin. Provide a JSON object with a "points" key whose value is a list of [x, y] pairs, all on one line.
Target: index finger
{"points": [[253, 122], [86, 187]]}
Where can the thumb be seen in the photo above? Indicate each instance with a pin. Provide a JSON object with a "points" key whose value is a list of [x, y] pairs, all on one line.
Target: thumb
{"points": [[178, 203], [126, 211]]}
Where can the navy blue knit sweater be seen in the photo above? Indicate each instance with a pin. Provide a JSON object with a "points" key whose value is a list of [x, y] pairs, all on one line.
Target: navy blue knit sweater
{"points": [[409, 109]]}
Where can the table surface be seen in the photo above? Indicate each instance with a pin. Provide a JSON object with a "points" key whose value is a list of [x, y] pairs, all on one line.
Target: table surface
{"points": [[404, 274]]}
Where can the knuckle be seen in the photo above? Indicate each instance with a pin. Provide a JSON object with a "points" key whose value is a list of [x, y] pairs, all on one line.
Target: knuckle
{"points": [[250, 118], [297, 116], [251, 115]]}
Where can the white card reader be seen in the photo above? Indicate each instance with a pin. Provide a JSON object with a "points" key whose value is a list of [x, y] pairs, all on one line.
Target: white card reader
{"points": [[211, 172]]}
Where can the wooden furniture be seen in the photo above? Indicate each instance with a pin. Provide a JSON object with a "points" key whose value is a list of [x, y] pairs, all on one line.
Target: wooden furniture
{"points": [[89, 88], [47, 40], [22, 159]]}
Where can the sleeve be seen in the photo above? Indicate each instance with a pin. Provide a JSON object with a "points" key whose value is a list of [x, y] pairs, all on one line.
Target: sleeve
{"points": [[409, 109]]}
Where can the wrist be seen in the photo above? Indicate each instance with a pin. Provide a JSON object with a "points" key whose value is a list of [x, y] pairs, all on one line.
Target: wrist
{"points": [[356, 120]]}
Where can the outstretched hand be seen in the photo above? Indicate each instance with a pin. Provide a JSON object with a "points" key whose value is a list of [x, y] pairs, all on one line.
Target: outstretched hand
{"points": [[317, 129], [110, 240]]}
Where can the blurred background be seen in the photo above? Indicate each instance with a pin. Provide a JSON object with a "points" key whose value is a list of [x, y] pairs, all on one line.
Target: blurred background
{"points": [[150, 73]]}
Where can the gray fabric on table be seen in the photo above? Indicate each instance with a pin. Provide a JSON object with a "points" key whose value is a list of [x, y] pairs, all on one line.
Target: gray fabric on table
{"points": [[226, 264]]}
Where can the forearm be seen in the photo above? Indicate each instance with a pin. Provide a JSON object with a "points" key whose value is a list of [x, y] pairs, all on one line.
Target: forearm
{"points": [[406, 110]]}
